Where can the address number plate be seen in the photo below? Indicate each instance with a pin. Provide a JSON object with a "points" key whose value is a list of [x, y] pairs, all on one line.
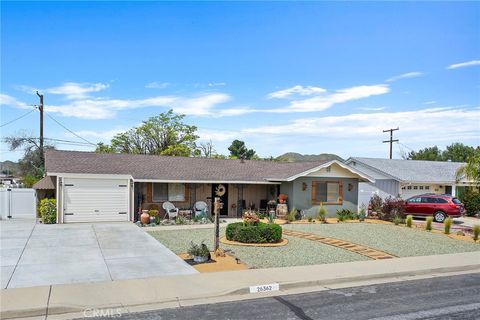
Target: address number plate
{"points": [[265, 288]]}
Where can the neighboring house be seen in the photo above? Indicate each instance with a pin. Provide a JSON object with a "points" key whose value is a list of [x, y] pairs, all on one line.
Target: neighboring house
{"points": [[407, 178], [115, 187]]}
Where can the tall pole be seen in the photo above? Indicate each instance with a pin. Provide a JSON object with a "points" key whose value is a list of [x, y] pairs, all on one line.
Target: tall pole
{"points": [[391, 141], [40, 108], [216, 211]]}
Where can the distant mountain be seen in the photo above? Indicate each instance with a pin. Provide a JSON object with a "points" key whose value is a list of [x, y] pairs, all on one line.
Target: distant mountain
{"points": [[9, 167], [297, 157]]}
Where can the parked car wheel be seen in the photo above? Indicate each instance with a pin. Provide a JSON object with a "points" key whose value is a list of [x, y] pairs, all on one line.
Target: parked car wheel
{"points": [[439, 216]]}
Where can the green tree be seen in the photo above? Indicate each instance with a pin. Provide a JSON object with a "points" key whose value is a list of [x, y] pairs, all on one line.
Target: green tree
{"points": [[165, 134], [31, 166], [429, 153], [458, 152], [239, 150]]}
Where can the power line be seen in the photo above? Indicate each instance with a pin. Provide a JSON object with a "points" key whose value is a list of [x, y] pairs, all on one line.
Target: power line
{"points": [[59, 141], [72, 132], [16, 119]]}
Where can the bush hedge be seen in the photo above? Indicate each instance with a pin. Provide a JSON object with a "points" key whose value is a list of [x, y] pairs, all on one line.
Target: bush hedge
{"points": [[48, 211], [471, 200], [258, 233]]}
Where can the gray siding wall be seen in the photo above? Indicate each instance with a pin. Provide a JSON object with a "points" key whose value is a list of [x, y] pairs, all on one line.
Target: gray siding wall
{"points": [[390, 186], [302, 199]]}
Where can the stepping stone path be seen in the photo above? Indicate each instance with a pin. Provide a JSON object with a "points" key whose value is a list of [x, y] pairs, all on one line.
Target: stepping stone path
{"points": [[364, 251]]}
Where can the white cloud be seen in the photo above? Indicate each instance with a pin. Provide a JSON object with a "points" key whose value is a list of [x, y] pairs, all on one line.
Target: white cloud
{"points": [[296, 90], [6, 100], [464, 64], [320, 103], [71, 90], [104, 136], [414, 74], [434, 123], [217, 84], [157, 85], [372, 108], [430, 102]]}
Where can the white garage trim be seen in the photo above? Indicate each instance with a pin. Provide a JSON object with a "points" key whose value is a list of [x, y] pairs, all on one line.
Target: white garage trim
{"points": [[91, 198]]}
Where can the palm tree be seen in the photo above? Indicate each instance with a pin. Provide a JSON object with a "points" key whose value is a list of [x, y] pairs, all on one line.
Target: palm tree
{"points": [[471, 171]]}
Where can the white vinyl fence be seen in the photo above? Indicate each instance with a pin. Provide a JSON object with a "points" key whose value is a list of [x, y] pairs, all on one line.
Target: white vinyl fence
{"points": [[18, 203]]}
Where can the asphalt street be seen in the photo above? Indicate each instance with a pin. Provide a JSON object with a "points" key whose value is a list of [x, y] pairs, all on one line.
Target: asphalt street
{"points": [[454, 297]]}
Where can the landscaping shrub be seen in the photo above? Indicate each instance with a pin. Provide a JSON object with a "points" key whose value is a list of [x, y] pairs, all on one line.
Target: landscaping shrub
{"points": [[181, 220], [391, 208], [322, 213], [292, 215], [476, 231], [409, 221], [48, 211], [428, 225], [199, 250], [397, 220], [310, 219], [346, 214], [376, 203], [447, 225], [259, 233], [471, 200], [362, 214]]}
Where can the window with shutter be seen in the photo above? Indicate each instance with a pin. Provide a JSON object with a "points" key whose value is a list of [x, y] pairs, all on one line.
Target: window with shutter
{"points": [[327, 192]]}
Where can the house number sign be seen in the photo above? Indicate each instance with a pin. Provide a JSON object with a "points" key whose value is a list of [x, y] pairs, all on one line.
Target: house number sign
{"points": [[265, 288]]}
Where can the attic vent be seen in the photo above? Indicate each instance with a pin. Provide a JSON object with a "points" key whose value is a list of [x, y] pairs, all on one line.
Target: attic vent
{"points": [[328, 169]]}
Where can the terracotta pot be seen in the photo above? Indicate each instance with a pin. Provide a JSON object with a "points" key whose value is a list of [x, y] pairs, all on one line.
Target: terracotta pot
{"points": [[145, 217]]}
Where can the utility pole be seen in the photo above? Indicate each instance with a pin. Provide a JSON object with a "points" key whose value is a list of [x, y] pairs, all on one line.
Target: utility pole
{"points": [[40, 108], [391, 141]]}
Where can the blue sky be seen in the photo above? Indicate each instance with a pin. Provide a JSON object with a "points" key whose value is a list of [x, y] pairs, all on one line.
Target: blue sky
{"points": [[304, 77]]}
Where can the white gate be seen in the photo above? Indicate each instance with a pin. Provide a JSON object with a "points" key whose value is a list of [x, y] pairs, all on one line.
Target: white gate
{"points": [[18, 203]]}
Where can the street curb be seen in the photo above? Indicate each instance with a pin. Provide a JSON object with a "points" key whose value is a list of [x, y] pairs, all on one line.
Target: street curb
{"points": [[172, 302]]}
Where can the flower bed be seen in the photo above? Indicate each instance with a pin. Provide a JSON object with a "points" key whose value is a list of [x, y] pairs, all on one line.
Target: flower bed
{"points": [[254, 233]]}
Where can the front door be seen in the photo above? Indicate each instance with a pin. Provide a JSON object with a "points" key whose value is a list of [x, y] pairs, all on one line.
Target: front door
{"points": [[220, 190]]}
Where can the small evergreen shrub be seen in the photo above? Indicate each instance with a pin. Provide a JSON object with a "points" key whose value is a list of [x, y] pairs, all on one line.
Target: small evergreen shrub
{"points": [[428, 225], [310, 219], [259, 233], [48, 211], [397, 220], [292, 215], [322, 213], [346, 214], [447, 225], [471, 200], [476, 232], [409, 221], [199, 250]]}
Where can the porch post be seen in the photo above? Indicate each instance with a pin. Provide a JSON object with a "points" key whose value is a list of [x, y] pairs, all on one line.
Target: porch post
{"points": [[454, 190]]}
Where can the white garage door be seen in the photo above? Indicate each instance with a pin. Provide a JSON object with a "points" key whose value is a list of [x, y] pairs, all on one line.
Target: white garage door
{"points": [[89, 200]]}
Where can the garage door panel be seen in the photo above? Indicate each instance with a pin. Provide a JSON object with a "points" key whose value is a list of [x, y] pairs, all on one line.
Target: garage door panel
{"points": [[90, 200]]}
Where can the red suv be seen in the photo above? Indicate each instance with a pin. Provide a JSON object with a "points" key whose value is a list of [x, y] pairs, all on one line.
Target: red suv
{"points": [[439, 206]]}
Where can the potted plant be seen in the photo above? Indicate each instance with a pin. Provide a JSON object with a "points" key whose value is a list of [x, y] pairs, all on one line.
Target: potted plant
{"points": [[145, 217], [199, 252], [153, 215]]}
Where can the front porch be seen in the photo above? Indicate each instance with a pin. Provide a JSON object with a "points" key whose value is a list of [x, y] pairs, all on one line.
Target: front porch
{"points": [[235, 197]]}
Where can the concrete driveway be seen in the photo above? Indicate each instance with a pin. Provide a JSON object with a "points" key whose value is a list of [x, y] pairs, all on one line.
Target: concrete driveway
{"points": [[34, 254]]}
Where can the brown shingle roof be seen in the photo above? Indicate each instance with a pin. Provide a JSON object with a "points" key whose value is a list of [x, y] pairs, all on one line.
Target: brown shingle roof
{"points": [[46, 183], [151, 167]]}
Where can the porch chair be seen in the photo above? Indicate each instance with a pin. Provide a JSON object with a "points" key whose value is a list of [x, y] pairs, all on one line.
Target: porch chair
{"points": [[170, 210], [200, 208]]}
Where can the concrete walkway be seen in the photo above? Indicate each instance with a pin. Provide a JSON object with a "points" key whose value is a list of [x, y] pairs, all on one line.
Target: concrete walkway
{"points": [[167, 292], [34, 254]]}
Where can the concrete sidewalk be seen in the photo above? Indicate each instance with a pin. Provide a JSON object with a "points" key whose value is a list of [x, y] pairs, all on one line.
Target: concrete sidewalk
{"points": [[155, 293]]}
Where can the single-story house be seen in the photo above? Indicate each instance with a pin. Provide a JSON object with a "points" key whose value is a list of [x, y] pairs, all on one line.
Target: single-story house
{"points": [[115, 187], [407, 178]]}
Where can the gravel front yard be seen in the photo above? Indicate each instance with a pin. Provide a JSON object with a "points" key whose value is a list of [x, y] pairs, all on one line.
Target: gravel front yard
{"points": [[296, 253], [399, 241]]}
